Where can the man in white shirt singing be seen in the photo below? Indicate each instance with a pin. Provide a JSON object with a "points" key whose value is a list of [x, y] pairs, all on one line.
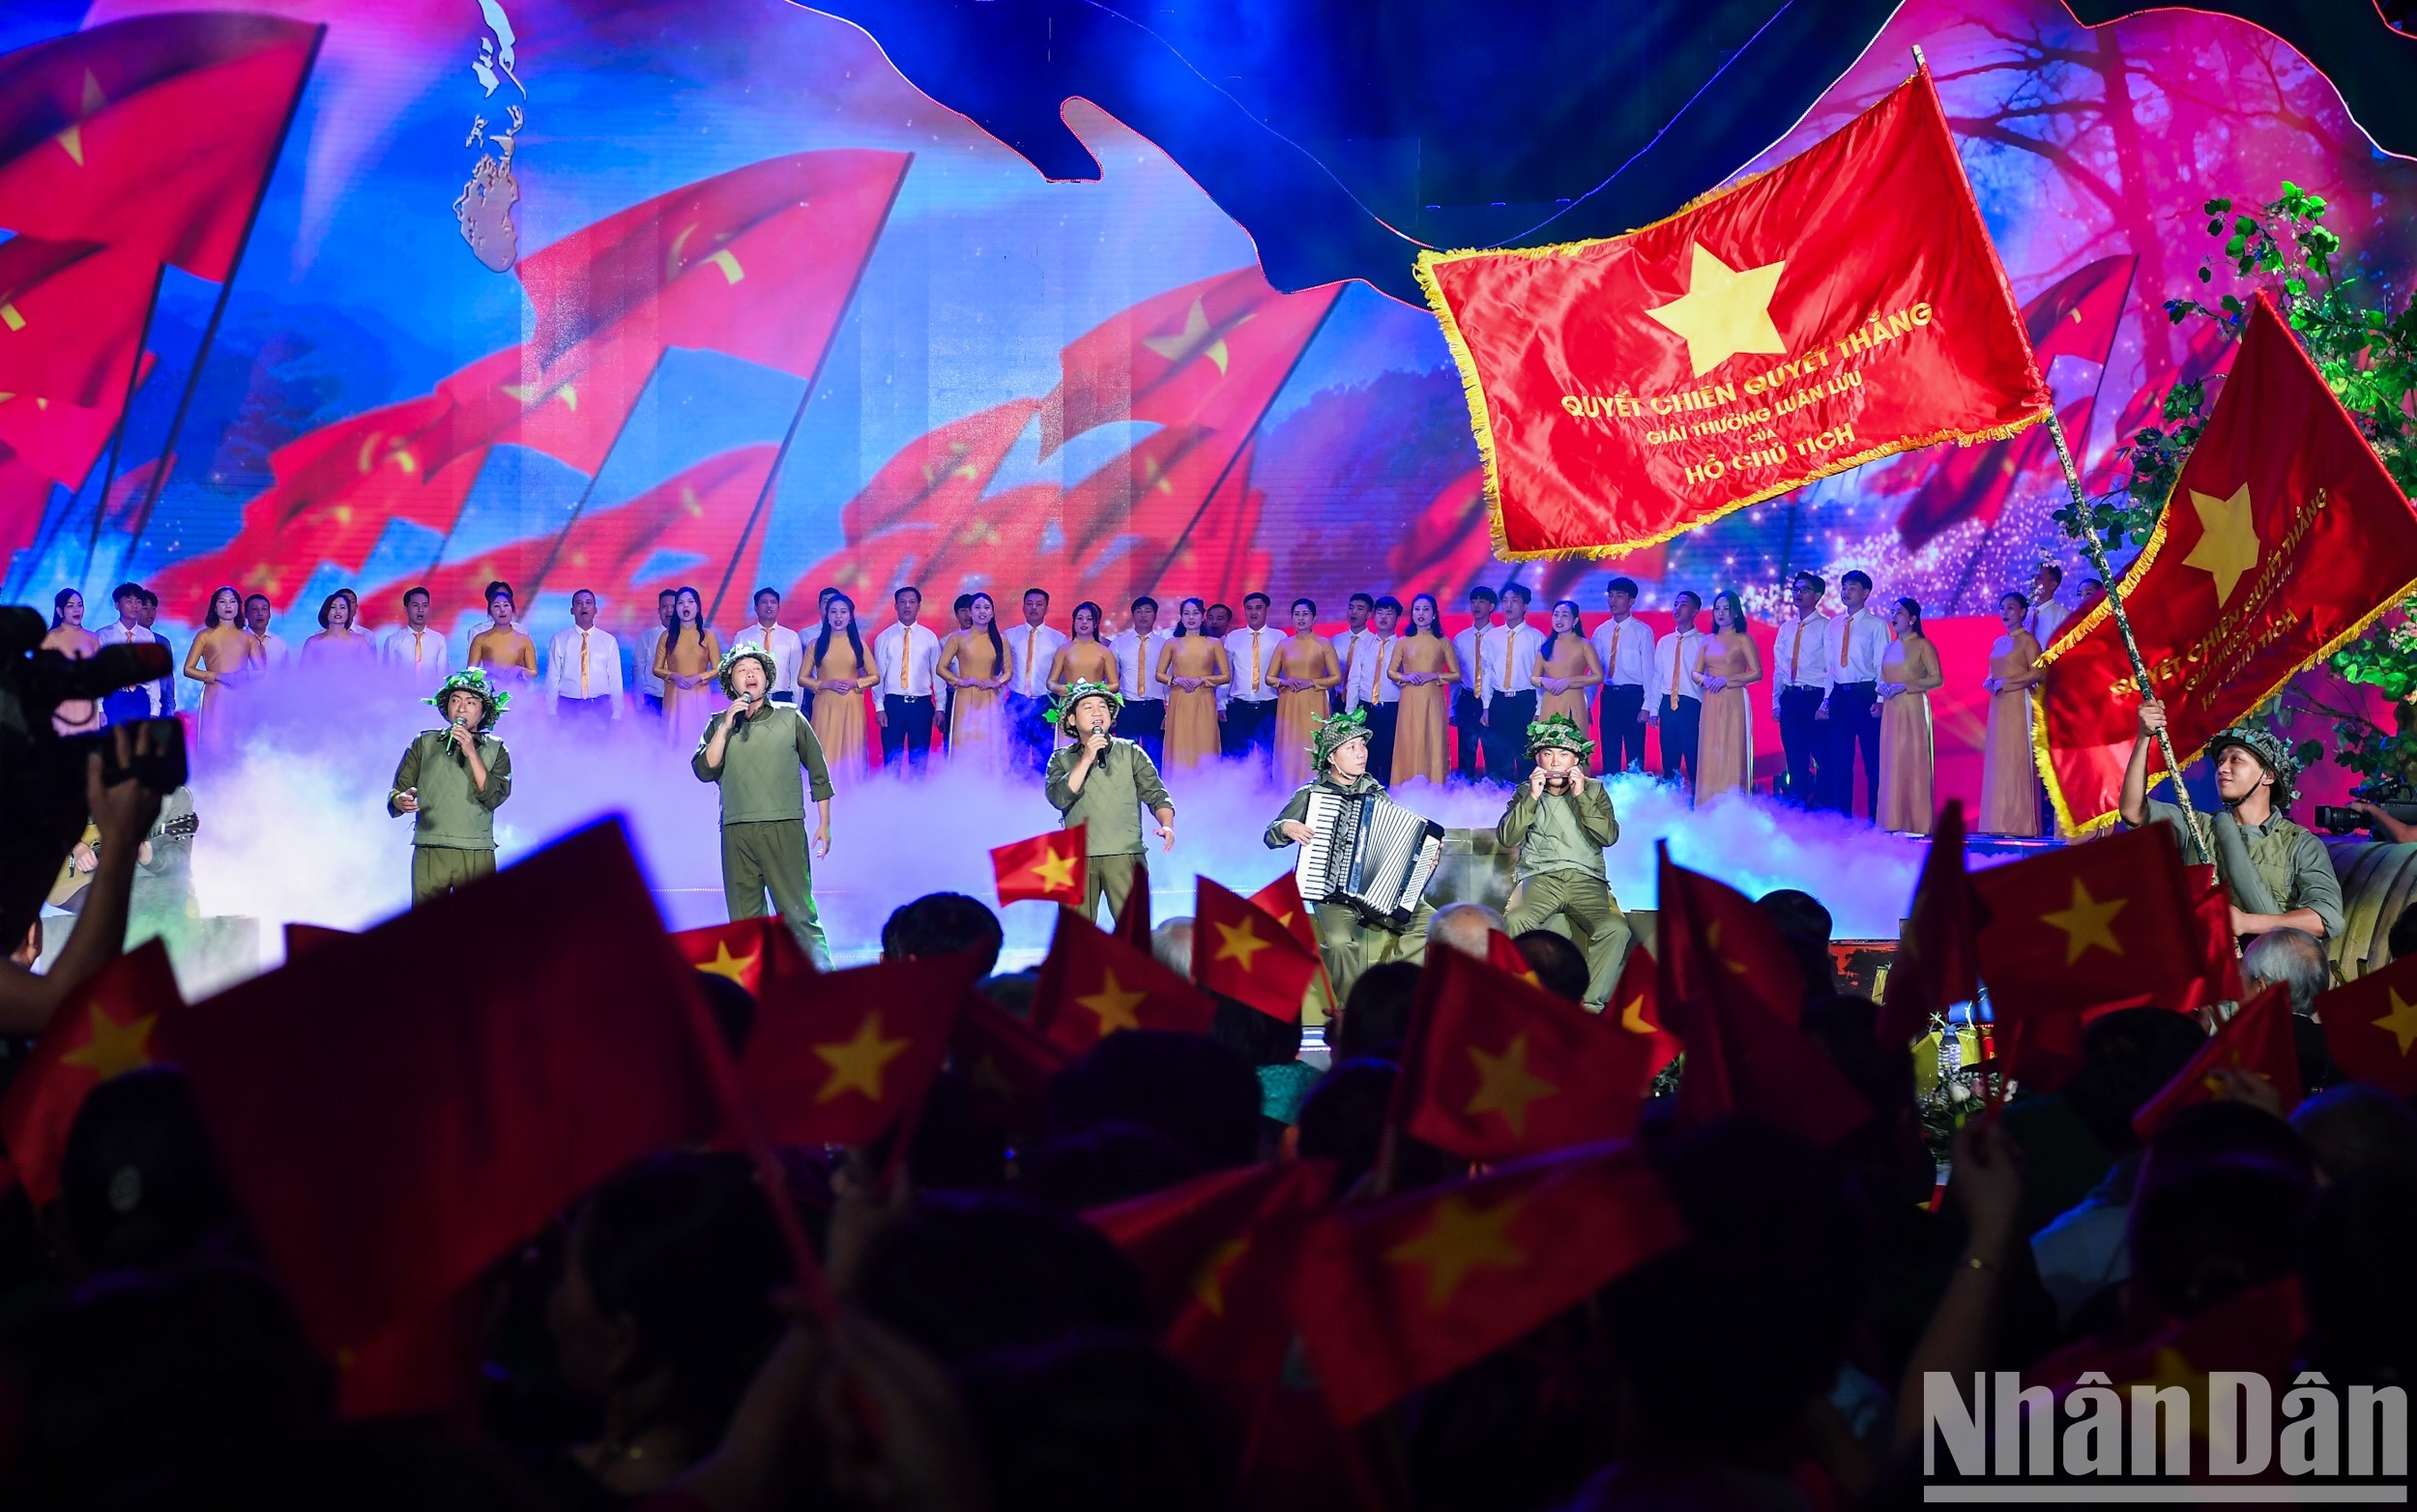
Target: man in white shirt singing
{"points": [[642, 666], [1675, 697], [1467, 708], [1507, 658], [1800, 670], [143, 700], [1372, 688], [905, 655], [1250, 712], [779, 642], [1034, 648], [583, 669], [269, 650], [416, 649], [1858, 640], [1143, 720], [1624, 645]]}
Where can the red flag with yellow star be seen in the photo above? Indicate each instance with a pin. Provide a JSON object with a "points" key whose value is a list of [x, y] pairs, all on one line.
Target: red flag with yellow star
{"points": [[1047, 868], [2256, 1040], [1217, 1256], [1240, 951], [70, 319], [101, 1031], [747, 951], [840, 1058], [1730, 991], [1006, 1064], [1133, 921], [1394, 1295], [2370, 1027], [2283, 537], [1495, 1067], [1281, 901], [1092, 984], [2089, 924], [1633, 1005], [1843, 305]]}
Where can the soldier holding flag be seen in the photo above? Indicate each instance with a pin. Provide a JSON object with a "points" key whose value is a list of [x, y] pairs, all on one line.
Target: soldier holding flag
{"points": [[2276, 872]]}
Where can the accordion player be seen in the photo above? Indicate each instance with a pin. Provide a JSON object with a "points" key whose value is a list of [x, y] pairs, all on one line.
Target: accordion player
{"points": [[1365, 860]]}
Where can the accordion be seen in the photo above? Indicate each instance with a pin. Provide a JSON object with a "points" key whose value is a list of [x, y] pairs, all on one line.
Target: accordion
{"points": [[1368, 852]]}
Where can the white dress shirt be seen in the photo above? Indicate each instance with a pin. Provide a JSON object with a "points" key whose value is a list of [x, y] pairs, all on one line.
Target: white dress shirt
{"points": [[1035, 648], [905, 655], [423, 655], [1676, 657], [583, 664], [1625, 648], [1465, 655], [1383, 689], [1857, 642], [1261, 688], [117, 632], [1355, 656], [2045, 620], [1801, 654], [781, 643], [273, 649], [642, 666], [1137, 662], [1507, 657]]}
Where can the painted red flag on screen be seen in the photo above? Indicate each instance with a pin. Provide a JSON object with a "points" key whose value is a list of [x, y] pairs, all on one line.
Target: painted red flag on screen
{"points": [[58, 440], [936, 478], [840, 1058], [2282, 538], [101, 1031], [2370, 1027], [1845, 306], [1047, 868], [1092, 984], [385, 1154], [1394, 1295], [1240, 951], [1496, 1067], [154, 135], [24, 497], [71, 318], [2255, 1040]]}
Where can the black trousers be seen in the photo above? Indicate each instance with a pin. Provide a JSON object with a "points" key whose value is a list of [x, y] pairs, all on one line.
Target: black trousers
{"points": [[948, 712], [1506, 736], [597, 712], [1143, 722], [1249, 729], [1468, 718], [1800, 733], [906, 730], [1028, 727], [1383, 720], [1618, 714], [1679, 728], [1853, 721]]}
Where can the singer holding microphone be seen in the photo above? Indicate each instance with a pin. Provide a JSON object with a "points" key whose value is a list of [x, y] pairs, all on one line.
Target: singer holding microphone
{"points": [[1104, 782], [450, 782], [753, 751]]}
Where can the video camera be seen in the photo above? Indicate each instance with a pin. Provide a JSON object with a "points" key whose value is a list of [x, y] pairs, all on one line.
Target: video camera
{"points": [[2393, 797], [43, 806]]}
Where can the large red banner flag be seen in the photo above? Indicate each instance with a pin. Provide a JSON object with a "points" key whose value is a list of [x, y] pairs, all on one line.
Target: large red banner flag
{"points": [[1845, 306], [2283, 538]]}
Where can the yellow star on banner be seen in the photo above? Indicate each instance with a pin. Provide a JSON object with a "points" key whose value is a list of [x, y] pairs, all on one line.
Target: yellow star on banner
{"points": [[10, 317], [2087, 923], [856, 1064], [734, 967], [1725, 311], [1458, 1239], [1208, 1284], [114, 1048], [1193, 340], [2401, 1022], [1504, 1083], [1114, 1004], [71, 140], [1056, 871], [1241, 943], [2228, 546]]}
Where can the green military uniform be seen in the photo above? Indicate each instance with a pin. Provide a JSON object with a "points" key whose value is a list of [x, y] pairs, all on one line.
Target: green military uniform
{"points": [[1122, 783], [452, 835], [763, 801], [1350, 945], [2272, 868], [1560, 838]]}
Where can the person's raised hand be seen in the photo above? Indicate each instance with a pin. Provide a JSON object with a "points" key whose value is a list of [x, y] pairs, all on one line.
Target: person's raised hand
{"points": [[2152, 716], [1986, 1179]]}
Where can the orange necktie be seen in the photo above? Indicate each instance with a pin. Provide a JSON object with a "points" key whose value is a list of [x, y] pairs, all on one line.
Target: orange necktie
{"points": [[1675, 642], [1254, 662], [1030, 631], [1796, 648], [1612, 670], [415, 637], [583, 663], [1351, 653], [1845, 638]]}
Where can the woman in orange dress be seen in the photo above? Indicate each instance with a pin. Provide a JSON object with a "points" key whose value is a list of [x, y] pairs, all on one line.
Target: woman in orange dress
{"points": [[2009, 779], [219, 653], [1086, 658], [74, 715], [1426, 672], [1724, 760], [1567, 668], [1193, 666], [690, 662], [337, 642], [1907, 675], [975, 663], [507, 654], [839, 672], [1305, 670]]}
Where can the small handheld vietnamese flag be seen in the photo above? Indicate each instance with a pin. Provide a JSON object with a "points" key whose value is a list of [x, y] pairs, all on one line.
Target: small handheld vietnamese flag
{"points": [[1092, 984], [1047, 868], [1496, 1067], [101, 1031], [1006, 1064], [1501, 953], [1636, 1009], [1281, 901], [2370, 1027], [841, 1058], [742, 950], [1240, 951], [2256, 1039], [1133, 919]]}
